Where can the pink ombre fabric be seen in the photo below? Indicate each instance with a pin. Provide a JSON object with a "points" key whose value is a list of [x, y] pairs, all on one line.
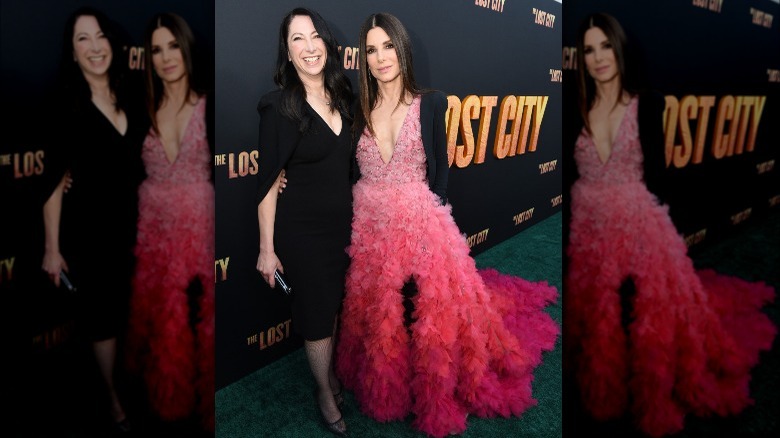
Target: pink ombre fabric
{"points": [[175, 246], [478, 335], [694, 336]]}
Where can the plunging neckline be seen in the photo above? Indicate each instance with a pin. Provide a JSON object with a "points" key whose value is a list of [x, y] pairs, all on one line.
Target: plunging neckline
{"points": [[397, 137], [337, 134], [110, 123], [614, 141], [181, 142]]}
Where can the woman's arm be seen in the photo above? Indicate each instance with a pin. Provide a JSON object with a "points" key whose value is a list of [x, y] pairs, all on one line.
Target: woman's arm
{"points": [[651, 137], [440, 147], [569, 172], [267, 261], [354, 168], [53, 262], [268, 191], [210, 137]]}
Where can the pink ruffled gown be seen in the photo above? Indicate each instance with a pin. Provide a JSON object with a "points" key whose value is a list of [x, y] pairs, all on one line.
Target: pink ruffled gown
{"points": [[175, 246], [477, 336], [694, 335]]}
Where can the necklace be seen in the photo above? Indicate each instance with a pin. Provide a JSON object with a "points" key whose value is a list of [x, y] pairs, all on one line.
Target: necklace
{"points": [[327, 102]]}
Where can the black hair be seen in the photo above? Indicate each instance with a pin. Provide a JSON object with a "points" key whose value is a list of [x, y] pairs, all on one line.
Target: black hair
{"points": [[72, 83], [286, 77]]}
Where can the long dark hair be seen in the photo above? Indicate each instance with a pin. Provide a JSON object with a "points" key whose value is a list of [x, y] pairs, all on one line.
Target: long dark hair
{"points": [[183, 34], [72, 83], [368, 84], [617, 38], [286, 77]]}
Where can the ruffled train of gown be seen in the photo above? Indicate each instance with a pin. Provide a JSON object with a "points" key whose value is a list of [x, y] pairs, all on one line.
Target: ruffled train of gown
{"points": [[693, 336]]}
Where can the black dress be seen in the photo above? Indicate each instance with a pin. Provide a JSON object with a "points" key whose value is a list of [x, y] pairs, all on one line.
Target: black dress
{"points": [[312, 227], [99, 212]]}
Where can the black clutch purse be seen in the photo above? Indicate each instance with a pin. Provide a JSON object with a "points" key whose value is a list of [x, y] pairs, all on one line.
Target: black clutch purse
{"points": [[282, 283], [65, 281]]}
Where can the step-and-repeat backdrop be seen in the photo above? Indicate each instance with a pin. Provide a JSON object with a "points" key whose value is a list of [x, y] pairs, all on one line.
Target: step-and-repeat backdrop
{"points": [[31, 35], [499, 63], [718, 64]]}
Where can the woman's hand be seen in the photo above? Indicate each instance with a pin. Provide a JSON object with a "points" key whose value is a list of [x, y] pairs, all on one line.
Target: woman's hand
{"points": [[53, 263], [267, 263], [282, 181], [68, 182]]}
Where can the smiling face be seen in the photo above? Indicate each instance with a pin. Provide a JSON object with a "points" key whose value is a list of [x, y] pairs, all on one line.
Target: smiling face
{"points": [[381, 56], [305, 48], [91, 48], [599, 56], [167, 57]]}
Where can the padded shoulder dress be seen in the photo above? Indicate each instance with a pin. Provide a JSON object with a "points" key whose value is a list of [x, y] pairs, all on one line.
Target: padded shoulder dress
{"points": [[99, 213], [313, 214]]}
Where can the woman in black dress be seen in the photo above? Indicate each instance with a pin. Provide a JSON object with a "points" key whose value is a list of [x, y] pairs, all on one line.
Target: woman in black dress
{"points": [[98, 144], [304, 129]]}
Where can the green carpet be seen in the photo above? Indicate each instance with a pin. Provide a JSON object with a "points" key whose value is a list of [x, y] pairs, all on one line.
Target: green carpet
{"points": [[750, 251], [277, 400]]}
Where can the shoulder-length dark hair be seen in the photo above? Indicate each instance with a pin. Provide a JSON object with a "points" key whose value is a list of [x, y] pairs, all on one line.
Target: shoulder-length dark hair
{"points": [[617, 38], [183, 34], [286, 77], [71, 79], [368, 84]]}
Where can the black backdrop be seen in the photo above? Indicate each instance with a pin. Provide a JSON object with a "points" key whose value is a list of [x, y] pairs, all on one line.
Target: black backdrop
{"points": [[30, 44], [495, 48], [704, 55]]}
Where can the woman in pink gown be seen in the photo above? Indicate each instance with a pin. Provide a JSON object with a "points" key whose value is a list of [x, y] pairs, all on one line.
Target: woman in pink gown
{"points": [[476, 336], [171, 339], [692, 337]]}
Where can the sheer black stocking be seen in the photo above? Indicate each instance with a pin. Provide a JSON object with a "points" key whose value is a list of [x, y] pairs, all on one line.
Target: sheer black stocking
{"points": [[320, 355]]}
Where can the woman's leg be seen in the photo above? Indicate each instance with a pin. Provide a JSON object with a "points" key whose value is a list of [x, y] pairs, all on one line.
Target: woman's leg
{"points": [[105, 355], [320, 356]]}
